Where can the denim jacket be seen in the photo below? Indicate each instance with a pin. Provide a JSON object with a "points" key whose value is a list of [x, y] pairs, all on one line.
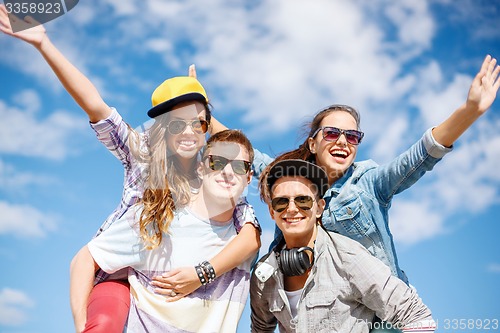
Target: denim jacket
{"points": [[345, 288], [357, 205]]}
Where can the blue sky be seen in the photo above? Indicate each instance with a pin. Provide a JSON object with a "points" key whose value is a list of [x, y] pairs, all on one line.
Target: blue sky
{"points": [[267, 66]]}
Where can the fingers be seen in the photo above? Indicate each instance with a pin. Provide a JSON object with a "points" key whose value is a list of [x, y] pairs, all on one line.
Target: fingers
{"points": [[484, 68], [175, 298], [192, 71], [491, 63], [160, 282], [493, 69], [171, 294], [495, 77], [165, 291], [490, 76], [4, 20], [170, 273]]}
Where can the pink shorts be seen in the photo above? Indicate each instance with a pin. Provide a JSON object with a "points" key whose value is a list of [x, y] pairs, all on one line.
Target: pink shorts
{"points": [[108, 306]]}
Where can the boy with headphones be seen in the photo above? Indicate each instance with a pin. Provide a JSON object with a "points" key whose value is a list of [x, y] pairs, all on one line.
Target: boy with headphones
{"points": [[319, 281]]}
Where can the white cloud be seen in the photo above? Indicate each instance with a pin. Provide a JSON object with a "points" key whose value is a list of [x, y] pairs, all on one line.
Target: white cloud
{"points": [[390, 144], [493, 268], [124, 8], [11, 178], [481, 17], [14, 307], [413, 221], [272, 59], [277, 62], [467, 179], [436, 98], [24, 221], [22, 133], [465, 182], [82, 15], [272, 64], [416, 27], [28, 100], [291, 57], [159, 45]]}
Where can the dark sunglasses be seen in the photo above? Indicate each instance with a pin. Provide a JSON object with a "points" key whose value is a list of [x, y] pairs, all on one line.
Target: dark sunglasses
{"points": [[217, 163], [333, 134], [303, 202], [178, 126]]}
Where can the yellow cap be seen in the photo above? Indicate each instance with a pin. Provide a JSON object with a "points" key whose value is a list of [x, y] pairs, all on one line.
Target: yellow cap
{"points": [[174, 91]]}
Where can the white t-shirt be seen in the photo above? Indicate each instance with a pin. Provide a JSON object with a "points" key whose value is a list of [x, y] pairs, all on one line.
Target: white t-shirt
{"points": [[215, 307], [293, 300]]}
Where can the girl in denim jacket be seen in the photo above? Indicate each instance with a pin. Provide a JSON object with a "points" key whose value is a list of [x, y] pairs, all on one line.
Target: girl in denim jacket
{"points": [[360, 193]]}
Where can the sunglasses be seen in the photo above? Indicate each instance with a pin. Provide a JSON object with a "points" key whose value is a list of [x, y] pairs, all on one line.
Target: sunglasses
{"points": [[333, 134], [303, 202], [217, 163], [199, 126]]}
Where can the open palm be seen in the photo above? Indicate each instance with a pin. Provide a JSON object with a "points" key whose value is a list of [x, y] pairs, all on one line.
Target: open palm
{"points": [[485, 86], [32, 32]]}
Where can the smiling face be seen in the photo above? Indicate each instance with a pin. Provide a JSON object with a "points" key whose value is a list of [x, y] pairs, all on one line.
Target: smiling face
{"points": [[224, 185], [335, 156], [188, 142], [298, 225]]}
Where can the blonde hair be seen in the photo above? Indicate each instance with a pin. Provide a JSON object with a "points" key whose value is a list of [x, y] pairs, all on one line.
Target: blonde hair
{"points": [[166, 183]]}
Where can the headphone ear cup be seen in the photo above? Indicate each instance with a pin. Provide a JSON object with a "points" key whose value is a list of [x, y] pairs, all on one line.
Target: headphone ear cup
{"points": [[284, 262], [302, 261], [295, 261], [288, 263]]}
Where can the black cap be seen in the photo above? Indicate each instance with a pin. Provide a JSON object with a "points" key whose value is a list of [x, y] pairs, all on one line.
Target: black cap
{"points": [[299, 168]]}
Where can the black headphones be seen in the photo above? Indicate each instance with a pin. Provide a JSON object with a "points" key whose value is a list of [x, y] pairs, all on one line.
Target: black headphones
{"points": [[295, 261]]}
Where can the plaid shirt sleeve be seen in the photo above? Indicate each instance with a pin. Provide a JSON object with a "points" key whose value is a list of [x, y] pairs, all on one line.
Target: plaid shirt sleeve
{"points": [[113, 132], [244, 213]]}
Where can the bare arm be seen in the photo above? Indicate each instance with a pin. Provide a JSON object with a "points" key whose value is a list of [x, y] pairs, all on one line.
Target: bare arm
{"points": [[482, 94], [76, 84], [184, 280], [82, 272], [241, 248]]}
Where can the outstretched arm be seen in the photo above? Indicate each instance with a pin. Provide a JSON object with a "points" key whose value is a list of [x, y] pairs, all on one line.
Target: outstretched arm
{"points": [[82, 272], [482, 93], [78, 86]]}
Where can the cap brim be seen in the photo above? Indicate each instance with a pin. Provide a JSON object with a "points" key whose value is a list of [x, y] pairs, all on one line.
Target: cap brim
{"points": [[300, 168], [168, 105]]}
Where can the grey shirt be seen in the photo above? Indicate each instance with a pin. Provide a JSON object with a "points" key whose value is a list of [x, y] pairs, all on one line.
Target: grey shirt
{"points": [[346, 288]]}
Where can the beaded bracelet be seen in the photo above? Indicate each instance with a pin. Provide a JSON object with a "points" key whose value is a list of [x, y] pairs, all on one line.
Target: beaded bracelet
{"points": [[209, 271], [201, 276]]}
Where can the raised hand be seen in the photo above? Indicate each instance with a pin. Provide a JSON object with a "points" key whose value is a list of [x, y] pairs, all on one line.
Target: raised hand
{"points": [[177, 283], [482, 93], [34, 33], [192, 71], [484, 87]]}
